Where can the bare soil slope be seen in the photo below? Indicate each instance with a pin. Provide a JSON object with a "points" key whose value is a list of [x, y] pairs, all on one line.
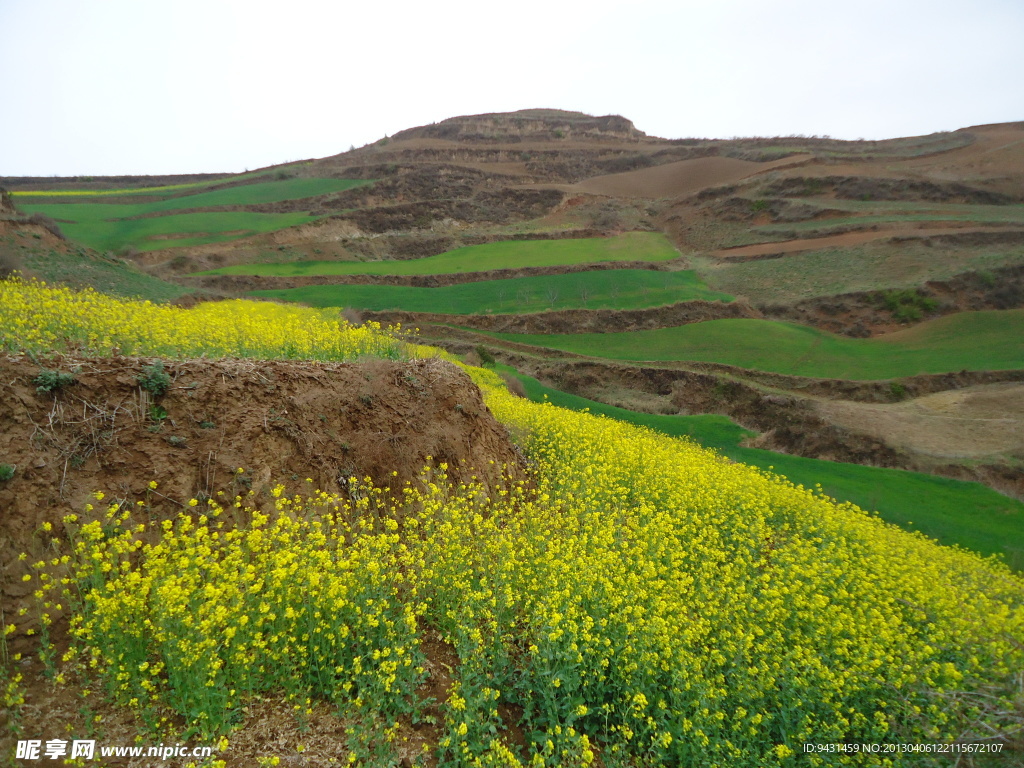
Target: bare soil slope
{"points": [[980, 422], [680, 178]]}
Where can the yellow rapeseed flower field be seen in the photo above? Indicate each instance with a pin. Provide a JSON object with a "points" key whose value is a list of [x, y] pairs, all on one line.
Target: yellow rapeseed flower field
{"points": [[639, 598], [39, 318]]}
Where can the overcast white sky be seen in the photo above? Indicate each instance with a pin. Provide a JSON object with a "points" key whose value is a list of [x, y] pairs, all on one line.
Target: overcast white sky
{"points": [[107, 87]]}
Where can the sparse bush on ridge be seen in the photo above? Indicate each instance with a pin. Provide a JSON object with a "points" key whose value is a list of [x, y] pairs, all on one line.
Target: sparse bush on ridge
{"points": [[907, 305]]}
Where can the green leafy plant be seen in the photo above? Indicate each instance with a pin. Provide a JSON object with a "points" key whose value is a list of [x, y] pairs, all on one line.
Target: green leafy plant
{"points": [[6, 472], [50, 381], [154, 379], [908, 305]]}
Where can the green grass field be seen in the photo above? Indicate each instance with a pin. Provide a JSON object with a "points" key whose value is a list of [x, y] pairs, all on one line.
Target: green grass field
{"points": [[507, 254], [989, 340], [612, 288], [110, 276], [81, 268], [174, 230], [109, 226], [952, 511]]}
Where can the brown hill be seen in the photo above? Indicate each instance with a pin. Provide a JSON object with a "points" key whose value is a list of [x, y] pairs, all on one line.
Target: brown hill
{"points": [[526, 125]]}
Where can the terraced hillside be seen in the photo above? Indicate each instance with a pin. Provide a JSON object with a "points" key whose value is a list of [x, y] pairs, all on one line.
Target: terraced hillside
{"points": [[344, 544], [180, 215], [806, 279]]}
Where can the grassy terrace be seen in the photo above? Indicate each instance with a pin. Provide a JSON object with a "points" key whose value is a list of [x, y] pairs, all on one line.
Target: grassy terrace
{"points": [[107, 275], [899, 212], [971, 212], [952, 511], [600, 289], [989, 340], [873, 266], [630, 246], [108, 226]]}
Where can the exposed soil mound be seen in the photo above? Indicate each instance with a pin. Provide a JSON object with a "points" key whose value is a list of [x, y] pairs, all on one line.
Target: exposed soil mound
{"points": [[281, 421]]}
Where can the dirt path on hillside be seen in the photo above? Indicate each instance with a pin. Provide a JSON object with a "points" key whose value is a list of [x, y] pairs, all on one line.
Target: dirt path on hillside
{"points": [[977, 422]]}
